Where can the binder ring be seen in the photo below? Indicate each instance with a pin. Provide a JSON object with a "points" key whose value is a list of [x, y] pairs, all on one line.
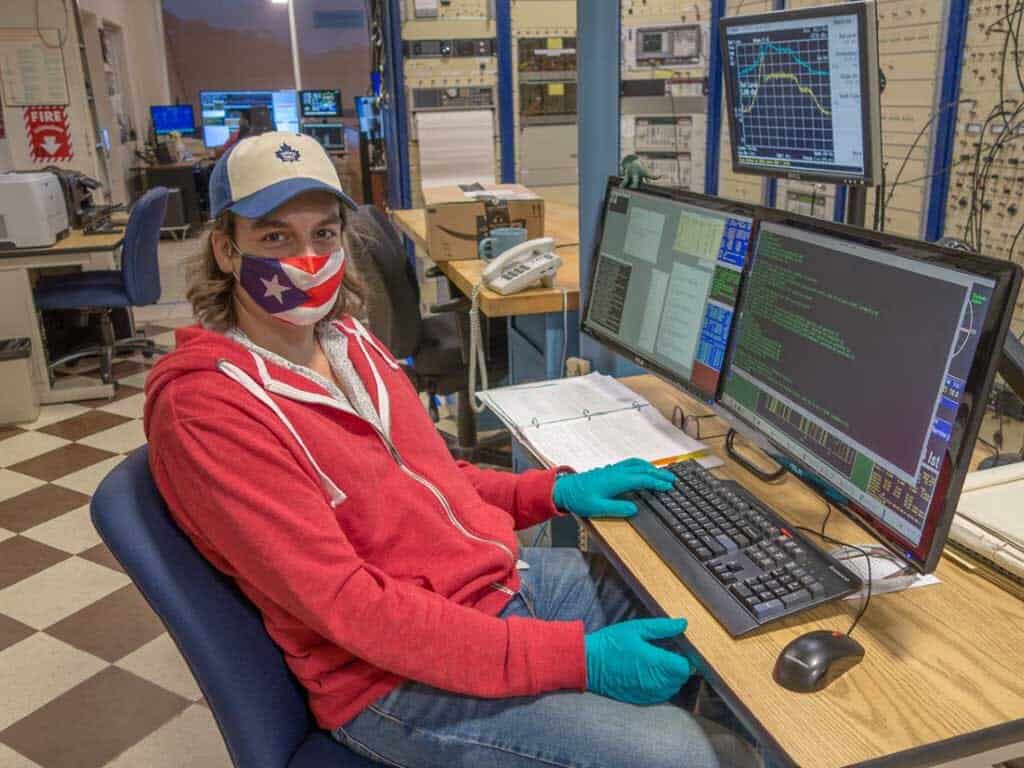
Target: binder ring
{"points": [[586, 412]]}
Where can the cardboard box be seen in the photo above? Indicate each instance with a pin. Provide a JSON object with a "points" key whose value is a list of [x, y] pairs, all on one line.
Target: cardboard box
{"points": [[458, 218]]}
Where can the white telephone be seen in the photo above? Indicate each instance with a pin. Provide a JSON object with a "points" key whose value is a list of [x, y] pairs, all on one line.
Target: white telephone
{"points": [[517, 269], [523, 266]]}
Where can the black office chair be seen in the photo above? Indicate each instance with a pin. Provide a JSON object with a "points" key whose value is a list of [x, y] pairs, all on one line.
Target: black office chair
{"points": [[436, 345]]}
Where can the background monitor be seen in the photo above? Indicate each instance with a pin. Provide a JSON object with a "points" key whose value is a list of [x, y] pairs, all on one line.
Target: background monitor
{"points": [[330, 135], [867, 361], [802, 92], [320, 103], [173, 117], [665, 281], [220, 112]]}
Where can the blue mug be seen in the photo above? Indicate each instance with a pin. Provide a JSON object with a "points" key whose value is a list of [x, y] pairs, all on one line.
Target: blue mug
{"points": [[499, 241]]}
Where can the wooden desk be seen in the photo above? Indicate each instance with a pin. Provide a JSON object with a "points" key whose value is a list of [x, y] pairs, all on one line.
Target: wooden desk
{"points": [[18, 316], [943, 673], [561, 222], [76, 243]]}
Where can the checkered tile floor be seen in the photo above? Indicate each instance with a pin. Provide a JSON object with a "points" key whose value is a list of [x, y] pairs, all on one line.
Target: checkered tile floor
{"points": [[88, 676]]}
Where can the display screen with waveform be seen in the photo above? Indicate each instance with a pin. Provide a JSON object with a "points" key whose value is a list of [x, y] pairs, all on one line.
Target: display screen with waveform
{"points": [[795, 96]]}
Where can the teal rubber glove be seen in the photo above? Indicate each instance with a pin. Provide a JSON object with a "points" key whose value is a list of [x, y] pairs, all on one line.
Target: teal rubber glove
{"points": [[623, 664], [592, 493], [633, 172]]}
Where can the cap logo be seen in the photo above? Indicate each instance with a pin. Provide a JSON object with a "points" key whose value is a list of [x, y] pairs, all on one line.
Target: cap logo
{"points": [[287, 154]]}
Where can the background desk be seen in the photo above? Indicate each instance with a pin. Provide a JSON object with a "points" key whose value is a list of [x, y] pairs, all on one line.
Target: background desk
{"points": [[18, 310], [943, 674], [535, 316]]}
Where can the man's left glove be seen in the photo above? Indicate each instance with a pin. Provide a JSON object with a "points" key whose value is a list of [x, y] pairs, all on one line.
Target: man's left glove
{"points": [[593, 493]]}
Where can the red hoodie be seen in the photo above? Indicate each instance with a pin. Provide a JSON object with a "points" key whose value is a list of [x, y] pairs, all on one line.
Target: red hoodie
{"points": [[373, 556]]}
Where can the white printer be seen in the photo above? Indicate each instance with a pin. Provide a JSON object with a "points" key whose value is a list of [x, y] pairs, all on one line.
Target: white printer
{"points": [[33, 213]]}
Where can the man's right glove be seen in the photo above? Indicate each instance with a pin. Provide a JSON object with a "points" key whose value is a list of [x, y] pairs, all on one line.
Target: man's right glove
{"points": [[622, 664]]}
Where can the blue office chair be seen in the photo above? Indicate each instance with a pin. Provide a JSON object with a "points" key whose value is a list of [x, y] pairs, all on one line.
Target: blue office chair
{"points": [[135, 284], [259, 707]]}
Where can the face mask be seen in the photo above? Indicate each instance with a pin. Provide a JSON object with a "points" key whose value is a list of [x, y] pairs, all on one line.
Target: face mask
{"points": [[299, 290]]}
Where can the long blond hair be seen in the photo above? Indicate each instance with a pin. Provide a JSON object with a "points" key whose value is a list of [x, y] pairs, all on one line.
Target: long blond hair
{"points": [[211, 290]]}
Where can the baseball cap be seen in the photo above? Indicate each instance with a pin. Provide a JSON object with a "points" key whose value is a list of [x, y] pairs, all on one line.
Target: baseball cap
{"points": [[261, 173]]}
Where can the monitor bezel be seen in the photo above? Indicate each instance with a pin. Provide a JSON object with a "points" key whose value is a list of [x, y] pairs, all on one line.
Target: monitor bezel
{"points": [[192, 112], [719, 205], [871, 125], [1007, 277], [302, 108]]}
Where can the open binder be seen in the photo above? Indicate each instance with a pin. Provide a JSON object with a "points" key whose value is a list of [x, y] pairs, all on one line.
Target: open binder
{"points": [[590, 421]]}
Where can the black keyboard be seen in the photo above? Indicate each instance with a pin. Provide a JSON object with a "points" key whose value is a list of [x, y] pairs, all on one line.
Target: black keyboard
{"points": [[740, 558]]}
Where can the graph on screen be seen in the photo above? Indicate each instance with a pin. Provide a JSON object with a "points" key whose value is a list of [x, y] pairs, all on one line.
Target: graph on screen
{"points": [[790, 78], [796, 94]]}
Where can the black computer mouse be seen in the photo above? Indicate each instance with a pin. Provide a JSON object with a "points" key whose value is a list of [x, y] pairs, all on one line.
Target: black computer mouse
{"points": [[813, 661]]}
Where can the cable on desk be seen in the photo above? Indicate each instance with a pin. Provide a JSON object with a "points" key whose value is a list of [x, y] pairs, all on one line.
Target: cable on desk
{"points": [[867, 557], [828, 514]]}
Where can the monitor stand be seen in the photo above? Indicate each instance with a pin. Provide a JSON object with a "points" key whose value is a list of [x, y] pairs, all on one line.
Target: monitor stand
{"points": [[1011, 368], [856, 205], [747, 464]]}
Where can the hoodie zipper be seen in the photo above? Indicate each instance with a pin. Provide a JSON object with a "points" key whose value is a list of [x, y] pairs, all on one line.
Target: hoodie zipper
{"points": [[411, 473]]}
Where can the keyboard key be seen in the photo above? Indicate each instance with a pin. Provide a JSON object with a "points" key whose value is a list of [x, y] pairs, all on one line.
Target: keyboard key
{"points": [[741, 591], [712, 545], [817, 589], [703, 553], [796, 598], [762, 610]]}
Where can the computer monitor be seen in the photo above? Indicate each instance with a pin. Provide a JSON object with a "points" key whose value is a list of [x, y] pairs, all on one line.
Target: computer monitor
{"points": [[320, 103], [665, 281], [803, 95], [170, 118], [221, 111], [330, 135], [867, 360]]}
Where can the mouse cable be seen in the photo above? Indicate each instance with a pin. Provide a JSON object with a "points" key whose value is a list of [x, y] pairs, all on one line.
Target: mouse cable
{"points": [[828, 514], [867, 557]]}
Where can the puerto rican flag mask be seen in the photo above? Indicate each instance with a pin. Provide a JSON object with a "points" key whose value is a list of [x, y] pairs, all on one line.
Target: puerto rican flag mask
{"points": [[299, 290]]}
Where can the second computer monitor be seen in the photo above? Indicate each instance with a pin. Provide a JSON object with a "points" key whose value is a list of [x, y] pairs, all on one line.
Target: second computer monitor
{"points": [[665, 281], [867, 361]]}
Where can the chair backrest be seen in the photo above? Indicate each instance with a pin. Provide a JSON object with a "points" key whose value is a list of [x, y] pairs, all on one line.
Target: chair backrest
{"points": [[259, 707], [394, 300], [140, 267]]}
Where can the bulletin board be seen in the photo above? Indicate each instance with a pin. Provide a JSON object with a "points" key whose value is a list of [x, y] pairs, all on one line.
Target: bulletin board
{"points": [[31, 72]]}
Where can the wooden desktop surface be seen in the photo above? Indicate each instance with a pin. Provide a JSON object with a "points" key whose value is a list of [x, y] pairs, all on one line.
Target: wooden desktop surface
{"points": [[561, 222], [941, 661], [76, 242]]}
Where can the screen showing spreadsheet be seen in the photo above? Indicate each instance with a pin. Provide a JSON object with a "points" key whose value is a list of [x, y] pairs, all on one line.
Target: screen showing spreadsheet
{"points": [[666, 281]]}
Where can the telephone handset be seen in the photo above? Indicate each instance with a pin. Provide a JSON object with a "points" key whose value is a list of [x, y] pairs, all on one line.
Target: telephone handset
{"points": [[523, 266]]}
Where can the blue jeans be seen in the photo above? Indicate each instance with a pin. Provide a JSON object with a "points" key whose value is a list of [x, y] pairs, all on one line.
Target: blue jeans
{"points": [[416, 725]]}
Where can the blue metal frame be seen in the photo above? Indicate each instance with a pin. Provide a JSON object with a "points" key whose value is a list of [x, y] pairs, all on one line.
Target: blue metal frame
{"points": [[396, 123], [714, 123], [840, 211], [506, 107], [597, 97], [942, 154]]}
